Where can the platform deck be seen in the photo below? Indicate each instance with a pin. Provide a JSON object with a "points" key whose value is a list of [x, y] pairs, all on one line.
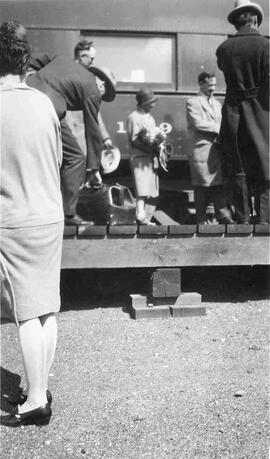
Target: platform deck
{"points": [[165, 246]]}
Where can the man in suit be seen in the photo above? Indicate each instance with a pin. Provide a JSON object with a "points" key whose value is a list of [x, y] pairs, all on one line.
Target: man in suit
{"points": [[84, 54], [244, 135], [203, 119], [76, 89]]}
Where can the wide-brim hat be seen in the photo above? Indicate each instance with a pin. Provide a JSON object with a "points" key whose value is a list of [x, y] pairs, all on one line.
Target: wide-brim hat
{"points": [[108, 77], [110, 159], [145, 97], [242, 6]]}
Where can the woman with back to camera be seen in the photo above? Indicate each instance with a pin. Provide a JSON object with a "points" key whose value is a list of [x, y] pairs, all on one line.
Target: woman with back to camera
{"points": [[31, 223]]}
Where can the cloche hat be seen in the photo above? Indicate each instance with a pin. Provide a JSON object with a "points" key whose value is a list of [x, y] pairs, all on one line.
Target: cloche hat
{"points": [[110, 159], [106, 75], [145, 96], [245, 5]]}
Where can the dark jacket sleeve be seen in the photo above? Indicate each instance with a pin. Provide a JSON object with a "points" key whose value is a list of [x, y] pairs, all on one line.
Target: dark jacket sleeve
{"points": [[40, 60], [264, 86], [218, 53], [92, 132], [103, 130]]}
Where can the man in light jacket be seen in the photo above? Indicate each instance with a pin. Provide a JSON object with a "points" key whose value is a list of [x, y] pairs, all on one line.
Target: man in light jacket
{"points": [[203, 119]]}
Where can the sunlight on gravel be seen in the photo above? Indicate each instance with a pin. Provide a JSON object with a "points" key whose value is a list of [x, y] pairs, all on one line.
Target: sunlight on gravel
{"points": [[173, 388]]}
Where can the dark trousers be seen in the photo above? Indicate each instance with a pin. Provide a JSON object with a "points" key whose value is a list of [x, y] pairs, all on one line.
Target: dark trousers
{"points": [[264, 201], [242, 189], [203, 195], [72, 169]]}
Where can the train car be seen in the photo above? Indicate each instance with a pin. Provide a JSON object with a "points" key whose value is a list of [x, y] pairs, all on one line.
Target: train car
{"points": [[163, 44]]}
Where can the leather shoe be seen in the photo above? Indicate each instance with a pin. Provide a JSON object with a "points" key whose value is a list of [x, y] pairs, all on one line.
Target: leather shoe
{"points": [[39, 416], [19, 397], [226, 221], [76, 220]]}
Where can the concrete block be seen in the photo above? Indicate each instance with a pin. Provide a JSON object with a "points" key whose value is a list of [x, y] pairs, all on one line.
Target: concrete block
{"points": [[188, 304], [168, 300], [138, 300], [187, 310], [191, 298], [146, 312], [166, 283]]}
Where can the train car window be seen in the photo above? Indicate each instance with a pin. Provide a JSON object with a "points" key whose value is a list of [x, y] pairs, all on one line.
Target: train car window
{"points": [[197, 54], [137, 59]]}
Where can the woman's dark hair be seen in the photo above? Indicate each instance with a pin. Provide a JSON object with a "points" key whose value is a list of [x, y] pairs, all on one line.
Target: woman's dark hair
{"points": [[14, 49]]}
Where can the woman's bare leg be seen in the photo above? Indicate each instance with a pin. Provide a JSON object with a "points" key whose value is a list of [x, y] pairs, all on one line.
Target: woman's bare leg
{"points": [[49, 328], [140, 208], [33, 349]]}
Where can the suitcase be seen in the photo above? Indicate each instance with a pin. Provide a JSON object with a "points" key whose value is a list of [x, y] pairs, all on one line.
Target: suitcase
{"points": [[109, 204]]}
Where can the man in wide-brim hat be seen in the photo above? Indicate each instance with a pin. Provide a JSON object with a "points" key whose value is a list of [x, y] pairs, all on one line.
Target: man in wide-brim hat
{"points": [[243, 6], [244, 135]]}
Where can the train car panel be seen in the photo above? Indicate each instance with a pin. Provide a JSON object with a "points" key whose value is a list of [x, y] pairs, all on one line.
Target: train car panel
{"points": [[167, 62], [56, 41], [193, 16], [161, 44], [169, 113]]}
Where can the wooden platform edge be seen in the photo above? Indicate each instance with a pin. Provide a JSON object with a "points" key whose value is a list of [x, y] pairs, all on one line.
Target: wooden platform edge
{"points": [[164, 230], [147, 251]]}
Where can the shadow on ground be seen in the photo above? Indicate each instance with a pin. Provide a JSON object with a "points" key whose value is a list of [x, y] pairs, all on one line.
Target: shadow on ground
{"points": [[84, 289]]}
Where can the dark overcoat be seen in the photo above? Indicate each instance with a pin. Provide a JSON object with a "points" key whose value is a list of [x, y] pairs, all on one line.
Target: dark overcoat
{"points": [[74, 88], [244, 60]]}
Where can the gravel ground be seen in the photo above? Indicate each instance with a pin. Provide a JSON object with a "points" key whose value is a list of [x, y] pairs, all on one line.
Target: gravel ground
{"points": [[173, 388]]}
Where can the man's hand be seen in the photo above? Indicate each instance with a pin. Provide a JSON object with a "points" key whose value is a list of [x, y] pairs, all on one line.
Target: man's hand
{"points": [[93, 179]]}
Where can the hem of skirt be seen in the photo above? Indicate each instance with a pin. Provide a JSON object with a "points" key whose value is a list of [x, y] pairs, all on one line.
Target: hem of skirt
{"points": [[35, 315]]}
